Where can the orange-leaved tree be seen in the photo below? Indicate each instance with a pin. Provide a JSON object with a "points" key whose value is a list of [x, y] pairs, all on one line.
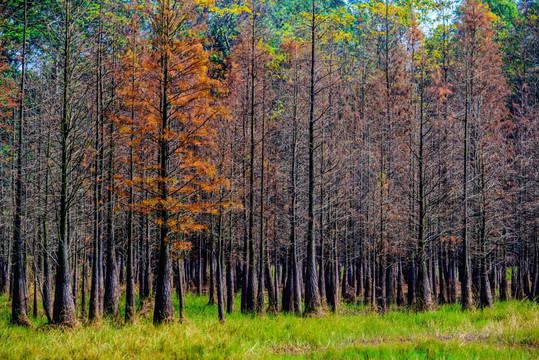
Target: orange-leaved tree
{"points": [[171, 104]]}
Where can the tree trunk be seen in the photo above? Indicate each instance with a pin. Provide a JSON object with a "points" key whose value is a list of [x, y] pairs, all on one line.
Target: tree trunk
{"points": [[95, 288], [163, 309], [251, 275], [111, 295], [312, 295], [64, 308], [220, 290], [466, 283], [19, 307]]}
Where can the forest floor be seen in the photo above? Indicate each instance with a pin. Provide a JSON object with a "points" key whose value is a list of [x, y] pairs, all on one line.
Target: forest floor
{"points": [[509, 330]]}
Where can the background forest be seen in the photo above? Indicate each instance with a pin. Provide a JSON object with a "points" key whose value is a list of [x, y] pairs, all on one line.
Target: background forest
{"points": [[301, 155]]}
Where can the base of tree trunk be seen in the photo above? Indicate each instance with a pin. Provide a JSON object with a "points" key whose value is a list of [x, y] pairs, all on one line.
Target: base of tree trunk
{"points": [[22, 321]]}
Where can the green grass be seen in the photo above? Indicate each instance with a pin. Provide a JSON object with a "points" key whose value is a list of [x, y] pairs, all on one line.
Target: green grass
{"points": [[509, 330]]}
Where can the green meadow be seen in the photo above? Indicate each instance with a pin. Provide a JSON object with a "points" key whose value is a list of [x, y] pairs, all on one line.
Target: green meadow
{"points": [[509, 330]]}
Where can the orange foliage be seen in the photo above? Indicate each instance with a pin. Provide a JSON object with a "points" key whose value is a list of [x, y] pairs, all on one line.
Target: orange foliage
{"points": [[170, 106]]}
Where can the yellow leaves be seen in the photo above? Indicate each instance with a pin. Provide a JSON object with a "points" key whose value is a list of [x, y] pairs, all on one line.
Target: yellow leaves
{"points": [[378, 9], [232, 9], [208, 4], [125, 129]]}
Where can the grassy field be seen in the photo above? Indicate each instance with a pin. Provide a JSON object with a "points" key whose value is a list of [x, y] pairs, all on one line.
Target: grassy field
{"points": [[508, 331]]}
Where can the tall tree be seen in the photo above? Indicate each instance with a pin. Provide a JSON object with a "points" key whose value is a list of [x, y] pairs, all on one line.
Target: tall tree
{"points": [[19, 307], [312, 294], [176, 105]]}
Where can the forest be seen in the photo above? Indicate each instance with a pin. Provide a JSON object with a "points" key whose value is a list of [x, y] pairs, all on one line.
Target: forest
{"points": [[315, 169]]}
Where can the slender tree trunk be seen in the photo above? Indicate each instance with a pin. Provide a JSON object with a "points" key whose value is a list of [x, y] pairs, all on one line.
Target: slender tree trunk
{"points": [[401, 300], [47, 277], [292, 290], [111, 295], [19, 307], [163, 310], [312, 295], [95, 285], [424, 290], [130, 285], [148, 255], [466, 283], [229, 271], [261, 260], [251, 276], [220, 290], [211, 259], [485, 297], [64, 308], [83, 285]]}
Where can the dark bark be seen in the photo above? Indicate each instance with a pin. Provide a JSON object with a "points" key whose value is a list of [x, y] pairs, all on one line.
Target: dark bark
{"points": [[401, 299], [485, 298], [251, 270], [220, 289], [148, 260], [229, 271], [412, 281], [199, 264], [83, 284], [163, 309], [111, 295], [211, 260], [181, 273], [63, 307], [425, 301], [47, 277], [312, 295], [19, 307], [260, 303], [287, 304], [130, 273], [466, 283], [95, 285]]}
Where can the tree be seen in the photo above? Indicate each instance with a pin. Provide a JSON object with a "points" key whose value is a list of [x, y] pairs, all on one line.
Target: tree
{"points": [[19, 310], [481, 92], [312, 294], [175, 104], [70, 152]]}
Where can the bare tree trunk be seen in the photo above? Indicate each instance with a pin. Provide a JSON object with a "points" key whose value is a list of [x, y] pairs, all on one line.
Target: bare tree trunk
{"points": [[251, 276], [95, 285], [261, 260], [424, 289], [179, 290], [19, 307], [485, 297], [229, 271], [312, 294], [466, 283], [220, 290], [163, 310], [130, 285], [64, 308]]}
